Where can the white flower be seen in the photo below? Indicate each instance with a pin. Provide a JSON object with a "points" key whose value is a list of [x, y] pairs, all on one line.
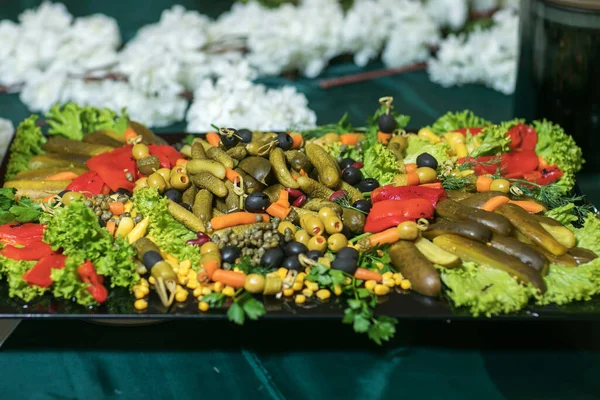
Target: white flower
{"points": [[9, 34], [448, 13], [6, 133], [43, 89], [52, 17]]}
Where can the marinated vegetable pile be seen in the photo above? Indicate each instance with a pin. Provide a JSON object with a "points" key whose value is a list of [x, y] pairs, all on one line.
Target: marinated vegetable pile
{"points": [[474, 211]]}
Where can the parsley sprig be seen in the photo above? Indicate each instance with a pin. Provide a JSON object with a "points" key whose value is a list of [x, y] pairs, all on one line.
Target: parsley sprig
{"points": [[244, 306], [13, 210]]}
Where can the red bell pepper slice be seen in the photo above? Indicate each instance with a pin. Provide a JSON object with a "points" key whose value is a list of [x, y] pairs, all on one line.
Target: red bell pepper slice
{"points": [[389, 192], [388, 213], [89, 183], [518, 163], [31, 252], [544, 176], [483, 164], [21, 234], [39, 275], [88, 275], [167, 155], [523, 137], [113, 166]]}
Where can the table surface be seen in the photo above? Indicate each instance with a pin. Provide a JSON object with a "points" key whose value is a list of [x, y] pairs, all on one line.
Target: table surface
{"points": [[181, 359]]}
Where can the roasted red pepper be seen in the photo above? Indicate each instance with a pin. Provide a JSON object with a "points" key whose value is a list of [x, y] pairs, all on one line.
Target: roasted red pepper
{"points": [[113, 166], [89, 183], [388, 213], [518, 163], [31, 252], [21, 234], [88, 275], [390, 192], [522, 137], [39, 275], [544, 176], [167, 155], [483, 164]]}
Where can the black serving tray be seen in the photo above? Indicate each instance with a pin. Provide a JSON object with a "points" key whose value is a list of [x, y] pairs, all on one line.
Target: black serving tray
{"points": [[399, 304]]}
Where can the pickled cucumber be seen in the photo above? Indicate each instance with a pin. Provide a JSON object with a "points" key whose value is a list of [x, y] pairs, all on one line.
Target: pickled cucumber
{"points": [[216, 154], [188, 219], [202, 207], [198, 152], [59, 144], [237, 152], [283, 175], [43, 173], [326, 166], [197, 166], [205, 180], [314, 189], [415, 267], [51, 160], [37, 190], [189, 195]]}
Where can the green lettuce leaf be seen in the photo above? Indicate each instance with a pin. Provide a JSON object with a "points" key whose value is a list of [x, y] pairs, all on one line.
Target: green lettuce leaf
{"points": [[565, 214], [73, 121], [490, 142], [168, 234], [13, 270], [588, 236], [418, 146], [380, 163], [485, 291], [76, 230], [559, 148], [457, 120], [338, 151], [27, 143], [67, 283]]}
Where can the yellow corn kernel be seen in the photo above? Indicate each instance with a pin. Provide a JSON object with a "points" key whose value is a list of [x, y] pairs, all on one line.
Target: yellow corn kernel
{"points": [[206, 290], [174, 264], [138, 294], [300, 299], [192, 284], [152, 280], [370, 285], [381, 290], [185, 264], [398, 275], [179, 288], [307, 270], [228, 291], [337, 290], [307, 292], [389, 282], [218, 287], [405, 284], [203, 306], [144, 282], [347, 281], [387, 275], [323, 294], [300, 277], [298, 286], [192, 275], [181, 296], [398, 281], [311, 285], [197, 292], [326, 262], [282, 272], [144, 289], [288, 292], [140, 304], [182, 280]]}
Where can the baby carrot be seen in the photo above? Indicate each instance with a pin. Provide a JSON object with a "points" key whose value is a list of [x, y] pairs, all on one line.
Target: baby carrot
{"points": [[62, 176], [484, 183], [367, 275], [236, 218], [111, 227], [350, 139], [411, 167], [433, 185], [529, 206], [297, 140], [129, 134], [116, 207], [181, 161], [231, 175], [391, 235], [209, 267], [494, 203], [278, 211], [234, 279], [213, 138], [283, 199], [383, 137], [412, 179]]}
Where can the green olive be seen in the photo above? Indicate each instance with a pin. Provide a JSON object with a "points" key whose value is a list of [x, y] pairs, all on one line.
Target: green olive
{"points": [[314, 226], [140, 184], [500, 185], [165, 173], [209, 247], [336, 242], [426, 175], [318, 243], [68, 197], [408, 230], [157, 182], [178, 169], [212, 256], [255, 283], [326, 212], [139, 151], [302, 236], [180, 181], [333, 225], [283, 225]]}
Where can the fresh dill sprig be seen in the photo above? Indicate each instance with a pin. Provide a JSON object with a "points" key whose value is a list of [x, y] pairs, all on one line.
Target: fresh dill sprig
{"points": [[344, 201]]}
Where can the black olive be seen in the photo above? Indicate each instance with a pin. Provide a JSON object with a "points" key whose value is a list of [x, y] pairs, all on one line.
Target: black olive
{"points": [[346, 162], [272, 258], [173, 194], [230, 253], [284, 141], [314, 255], [122, 191], [426, 160], [363, 205], [257, 202], [347, 232], [282, 241], [292, 263], [186, 206], [347, 252], [230, 141], [368, 185], [295, 248], [387, 123], [352, 175], [348, 265], [61, 194], [150, 258], [245, 134]]}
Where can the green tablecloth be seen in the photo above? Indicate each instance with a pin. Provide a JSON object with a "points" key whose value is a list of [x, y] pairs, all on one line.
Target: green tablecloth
{"points": [[289, 360]]}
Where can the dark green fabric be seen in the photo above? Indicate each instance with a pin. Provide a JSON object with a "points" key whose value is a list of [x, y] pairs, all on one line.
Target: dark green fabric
{"points": [[290, 360]]}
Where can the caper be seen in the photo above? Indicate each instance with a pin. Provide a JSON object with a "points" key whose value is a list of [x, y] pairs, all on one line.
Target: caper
{"points": [[88, 203], [106, 216], [139, 151], [157, 182], [336, 242], [105, 206], [68, 197]]}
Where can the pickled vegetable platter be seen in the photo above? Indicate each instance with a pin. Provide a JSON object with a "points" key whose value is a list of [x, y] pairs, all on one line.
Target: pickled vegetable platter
{"points": [[102, 218]]}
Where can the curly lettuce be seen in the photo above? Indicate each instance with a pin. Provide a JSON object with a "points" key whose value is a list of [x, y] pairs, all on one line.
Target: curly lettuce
{"points": [[418, 146], [13, 270], [76, 230], [380, 163], [452, 121], [27, 143], [68, 285], [557, 147], [168, 234], [491, 141], [73, 121]]}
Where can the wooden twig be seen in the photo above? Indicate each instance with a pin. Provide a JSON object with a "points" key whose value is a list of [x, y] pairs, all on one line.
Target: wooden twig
{"points": [[366, 76]]}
